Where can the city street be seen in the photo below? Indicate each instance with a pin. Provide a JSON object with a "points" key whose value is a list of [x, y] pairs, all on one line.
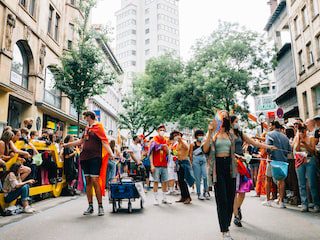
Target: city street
{"points": [[177, 221]]}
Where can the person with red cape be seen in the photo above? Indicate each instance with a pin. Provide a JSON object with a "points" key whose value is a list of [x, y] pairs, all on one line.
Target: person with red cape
{"points": [[94, 160]]}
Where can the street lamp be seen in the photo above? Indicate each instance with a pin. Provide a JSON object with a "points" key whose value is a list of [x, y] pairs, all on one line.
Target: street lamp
{"points": [[110, 132]]}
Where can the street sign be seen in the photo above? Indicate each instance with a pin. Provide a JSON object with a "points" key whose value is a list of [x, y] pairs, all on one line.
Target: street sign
{"points": [[98, 115], [280, 113]]}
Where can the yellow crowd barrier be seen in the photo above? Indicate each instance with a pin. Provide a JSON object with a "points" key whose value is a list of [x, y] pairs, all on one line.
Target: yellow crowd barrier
{"points": [[55, 189]]}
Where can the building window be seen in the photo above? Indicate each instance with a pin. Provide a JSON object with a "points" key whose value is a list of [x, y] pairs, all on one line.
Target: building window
{"points": [[51, 9], [56, 28], [32, 7], [134, 52], [300, 62], [296, 26], [305, 19], [133, 63], [73, 2], [146, 11], [314, 7], [316, 91], [310, 54], [51, 94], [147, 21], [70, 35], [147, 41], [19, 66], [318, 46], [147, 30], [147, 52], [305, 104], [23, 3]]}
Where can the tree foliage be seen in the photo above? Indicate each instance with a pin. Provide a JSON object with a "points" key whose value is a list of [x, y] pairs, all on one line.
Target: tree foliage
{"points": [[83, 72], [225, 67]]}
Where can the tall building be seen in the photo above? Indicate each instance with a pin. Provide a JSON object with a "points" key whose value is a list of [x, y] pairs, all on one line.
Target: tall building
{"points": [[35, 33], [304, 21], [145, 29], [279, 33]]}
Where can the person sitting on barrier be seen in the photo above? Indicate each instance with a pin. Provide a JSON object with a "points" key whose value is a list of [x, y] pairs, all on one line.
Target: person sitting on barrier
{"points": [[34, 135], [7, 150], [15, 187]]}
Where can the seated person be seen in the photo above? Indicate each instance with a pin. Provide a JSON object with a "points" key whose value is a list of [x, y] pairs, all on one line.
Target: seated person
{"points": [[8, 149], [34, 135], [15, 187]]}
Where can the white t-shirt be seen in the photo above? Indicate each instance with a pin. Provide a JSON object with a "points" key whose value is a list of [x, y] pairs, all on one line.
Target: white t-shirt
{"points": [[136, 149]]}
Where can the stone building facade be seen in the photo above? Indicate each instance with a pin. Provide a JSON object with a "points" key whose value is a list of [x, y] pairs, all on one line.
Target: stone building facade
{"points": [[304, 21], [34, 34]]}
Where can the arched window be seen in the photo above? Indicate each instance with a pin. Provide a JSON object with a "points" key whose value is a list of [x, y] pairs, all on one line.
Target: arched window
{"points": [[51, 94], [20, 66]]}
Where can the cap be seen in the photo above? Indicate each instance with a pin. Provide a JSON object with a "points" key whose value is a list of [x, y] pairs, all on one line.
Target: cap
{"points": [[161, 126]]}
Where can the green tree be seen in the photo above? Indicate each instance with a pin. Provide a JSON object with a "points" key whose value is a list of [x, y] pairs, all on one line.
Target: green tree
{"points": [[82, 73], [226, 66], [136, 117], [145, 109]]}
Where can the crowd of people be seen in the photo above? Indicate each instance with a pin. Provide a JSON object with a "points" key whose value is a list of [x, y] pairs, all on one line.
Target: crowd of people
{"points": [[225, 160]]}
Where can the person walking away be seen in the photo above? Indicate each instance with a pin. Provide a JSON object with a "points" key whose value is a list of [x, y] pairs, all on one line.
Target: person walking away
{"points": [[93, 159], [305, 162], [185, 171], [14, 187], [199, 165], [158, 153], [222, 169], [146, 162], [281, 141]]}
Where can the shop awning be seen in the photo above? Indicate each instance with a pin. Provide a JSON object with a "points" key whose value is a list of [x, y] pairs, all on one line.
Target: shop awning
{"points": [[55, 112]]}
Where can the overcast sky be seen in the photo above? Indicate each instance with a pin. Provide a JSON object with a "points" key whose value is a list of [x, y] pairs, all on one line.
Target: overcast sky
{"points": [[199, 18]]}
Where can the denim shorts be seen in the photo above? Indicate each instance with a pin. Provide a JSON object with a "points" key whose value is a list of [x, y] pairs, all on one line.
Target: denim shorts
{"points": [[160, 174]]}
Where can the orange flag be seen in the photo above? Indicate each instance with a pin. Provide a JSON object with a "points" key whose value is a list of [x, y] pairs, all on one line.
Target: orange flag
{"points": [[98, 129]]}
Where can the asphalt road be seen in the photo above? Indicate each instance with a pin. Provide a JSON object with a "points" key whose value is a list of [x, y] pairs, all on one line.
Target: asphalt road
{"points": [[64, 221]]}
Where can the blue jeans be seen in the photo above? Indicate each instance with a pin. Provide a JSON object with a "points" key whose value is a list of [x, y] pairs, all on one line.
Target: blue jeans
{"points": [[22, 191], [199, 165], [111, 172], [304, 172]]}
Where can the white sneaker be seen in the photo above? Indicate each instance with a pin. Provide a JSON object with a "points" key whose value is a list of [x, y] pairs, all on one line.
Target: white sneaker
{"points": [[166, 201], [175, 193], [276, 201], [267, 203], [156, 202], [281, 205], [226, 236], [28, 209]]}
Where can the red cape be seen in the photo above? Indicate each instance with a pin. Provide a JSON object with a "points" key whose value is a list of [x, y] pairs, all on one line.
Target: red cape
{"points": [[98, 129]]}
